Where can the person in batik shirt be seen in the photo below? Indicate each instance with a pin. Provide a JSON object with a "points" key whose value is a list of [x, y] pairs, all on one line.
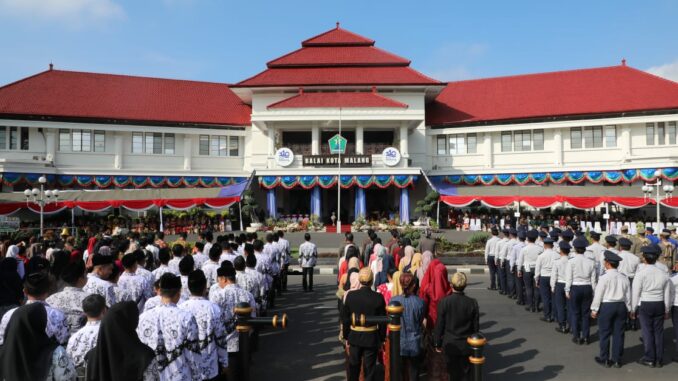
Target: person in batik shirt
{"points": [[85, 338], [186, 266], [164, 258], [97, 280], [172, 333], [69, 300], [134, 287], [210, 267]]}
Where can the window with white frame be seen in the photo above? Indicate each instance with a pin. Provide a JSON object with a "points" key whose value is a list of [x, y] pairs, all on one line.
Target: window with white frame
{"points": [[456, 144], [13, 138], [153, 143], [506, 141], [593, 137], [538, 140], [441, 146], [660, 133], [522, 140], [575, 137], [610, 136], [78, 140], [215, 145]]}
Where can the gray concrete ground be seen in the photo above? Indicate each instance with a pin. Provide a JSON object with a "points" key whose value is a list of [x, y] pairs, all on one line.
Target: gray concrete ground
{"points": [[520, 346]]}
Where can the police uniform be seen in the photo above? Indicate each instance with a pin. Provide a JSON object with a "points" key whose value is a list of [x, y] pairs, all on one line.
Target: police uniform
{"points": [[611, 305], [557, 283], [500, 259], [567, 235], [530, 253], [595, 251], [580, 280], [516, 292], [508, 250], [543, 270], [628, 266], [651, 292], [490, 255]]}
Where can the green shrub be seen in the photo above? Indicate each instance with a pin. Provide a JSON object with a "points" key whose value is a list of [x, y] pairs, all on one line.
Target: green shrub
{"points": [[478, 239]]}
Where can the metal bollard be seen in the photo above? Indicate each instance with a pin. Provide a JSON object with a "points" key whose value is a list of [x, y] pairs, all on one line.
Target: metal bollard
{"points": [[394, 311], [477, 341], [244, 325]]}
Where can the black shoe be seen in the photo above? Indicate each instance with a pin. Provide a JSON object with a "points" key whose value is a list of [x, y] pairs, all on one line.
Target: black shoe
{"points": [[601, 362], [492, 288], [539, 309], [642, 362], [520, 303], [547, 320], [502, 293], [575, 340], [585, 341], [561, 329], [658, 364], [528, 308], [617, 364], [534, 309]]}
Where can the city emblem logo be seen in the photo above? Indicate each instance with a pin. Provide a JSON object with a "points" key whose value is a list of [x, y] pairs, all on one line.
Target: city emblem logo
{"points": [[337, 144], [391, 156], [284, 157]]}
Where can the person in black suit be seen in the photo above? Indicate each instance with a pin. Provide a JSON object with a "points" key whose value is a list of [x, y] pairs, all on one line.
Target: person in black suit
{"points": [[363, 342], [458, 318]]}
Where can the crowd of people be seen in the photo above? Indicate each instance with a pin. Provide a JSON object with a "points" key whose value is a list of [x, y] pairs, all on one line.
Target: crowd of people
{"points": [[432, 337], [623, 281], [134, 307]]}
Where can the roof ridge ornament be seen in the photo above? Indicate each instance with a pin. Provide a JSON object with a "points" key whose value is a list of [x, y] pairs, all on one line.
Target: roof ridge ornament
{"points": [[623, 62], [337, 25], [51, 66]]}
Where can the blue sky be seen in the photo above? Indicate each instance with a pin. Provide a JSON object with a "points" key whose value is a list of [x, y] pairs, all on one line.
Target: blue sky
{"points": [[227, 41]]}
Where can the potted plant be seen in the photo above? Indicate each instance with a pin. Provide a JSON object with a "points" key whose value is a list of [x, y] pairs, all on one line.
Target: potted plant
{"points": [[249, 207], [425, 206]]}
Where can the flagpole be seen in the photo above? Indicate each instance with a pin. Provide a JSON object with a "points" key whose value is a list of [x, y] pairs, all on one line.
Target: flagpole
{"points": [[339, 181]]}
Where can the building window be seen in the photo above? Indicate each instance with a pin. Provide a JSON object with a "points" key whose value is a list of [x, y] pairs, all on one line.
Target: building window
{"points": [[471, 143], [153, 143], [456, 144], [610, 136], [522, 140], [538, 140], [81, 140], [64, 140], [99, 141], [649, 134], [671, 130], [506, 141], [137, 142], [661, 134], [441, 147], [169, 144], [3, 137], [593, 137], [204, 145], [18, 138], [575, 138], [233, 146]]}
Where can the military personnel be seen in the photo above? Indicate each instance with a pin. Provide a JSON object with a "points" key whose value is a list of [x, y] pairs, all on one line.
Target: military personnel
{"points": [[611, 306], [668, 247], [508, 249], [580, 280], [500, 259], [635, 241], [651, 292], [513, 260], [543, 271], [514, 287], [649, 235], [527, 264], [557, 282], [490, 258]]}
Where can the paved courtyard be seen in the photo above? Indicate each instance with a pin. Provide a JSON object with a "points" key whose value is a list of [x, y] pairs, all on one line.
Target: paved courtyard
{"points": [[520, 346]]}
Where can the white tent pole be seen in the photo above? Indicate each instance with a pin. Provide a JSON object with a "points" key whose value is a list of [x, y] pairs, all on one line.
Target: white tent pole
{"points": [[162, 229], [240, 212]]}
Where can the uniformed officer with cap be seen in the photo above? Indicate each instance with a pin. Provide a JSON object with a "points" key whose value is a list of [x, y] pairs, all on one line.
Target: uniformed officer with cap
{"points": [[490, 257], [580, 280], [557, 283], [567, 236], [628, 266], [516, 256], [542, 236], [543, 270], [596, 251], [651, 291], [529, 254], [500, 259], [508, 250], [611, 305]]}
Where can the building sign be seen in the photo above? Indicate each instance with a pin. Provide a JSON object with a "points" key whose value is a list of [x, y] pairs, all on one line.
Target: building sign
{"points": [[391, 156], [333, 160], [9, 224], [284, 157], [337, 144]]}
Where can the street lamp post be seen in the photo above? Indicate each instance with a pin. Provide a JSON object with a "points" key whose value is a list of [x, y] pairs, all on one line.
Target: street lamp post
{"points": [[41, 197], [648, 190]]}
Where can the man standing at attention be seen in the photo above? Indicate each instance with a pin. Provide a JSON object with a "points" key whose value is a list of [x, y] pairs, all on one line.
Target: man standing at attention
{"points": [[580, 281], [308, 254], [284, 246], [545, 263], [458, 318], [490, 257], [362, 343]]}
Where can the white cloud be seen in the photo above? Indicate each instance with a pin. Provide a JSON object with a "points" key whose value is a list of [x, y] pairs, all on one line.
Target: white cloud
{"points": [[68, 11], [454, 61], [668, 71]]}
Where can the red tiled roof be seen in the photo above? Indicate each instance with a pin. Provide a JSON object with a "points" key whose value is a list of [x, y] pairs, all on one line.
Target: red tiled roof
{"points": [[339, 56], [337, 99], [346, 76], [565, 93], [70, 94], [338, 36]]}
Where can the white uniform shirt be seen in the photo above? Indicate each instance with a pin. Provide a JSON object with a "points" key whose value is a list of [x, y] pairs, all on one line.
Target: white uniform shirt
{"points": [[674, 285], [173, 264], [96, 285], [173, 334], [580, 271], [612, 287], [162, 269], [62, 368], [652, 284], [211, 334], [148, 276], [515, 251], [264, 268], [248, 282], [629, 264], [227, 299], [490, 247], [185, 292], [227, 256], [506, 249], [56, 327], [308, 254], [69, 301], [152, 303], [82, 342], [210, 269], [499, 249], [545, 262], [558, 272], [528, 256], [284, 247], [135, 288], [199, 259], [273, 253], [260, 279]]}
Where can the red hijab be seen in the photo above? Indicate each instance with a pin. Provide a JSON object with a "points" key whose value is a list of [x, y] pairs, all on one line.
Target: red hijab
{"points": [[434, 287], [90, 245]]}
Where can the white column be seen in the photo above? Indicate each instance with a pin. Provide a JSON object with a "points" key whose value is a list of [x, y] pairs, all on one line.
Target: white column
{"points": [[315, 139], [271, 141], [50, 143], [558, 146], [359, 139], [488, 149], [403, 139], [188, 151], [625, 142], [118, 151]]}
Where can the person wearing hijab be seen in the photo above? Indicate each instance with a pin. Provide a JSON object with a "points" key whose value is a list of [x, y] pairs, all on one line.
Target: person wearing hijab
{"points": [[13, 252], [36, 288], [172, 333], [415, 264], [385, 289], [411, 325], [28, 353], [353, 265], [404, 264], [397, 288], [381, 265], [427, 257], [433, 288], [351, 252], [11, 287], [119, 354]]}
